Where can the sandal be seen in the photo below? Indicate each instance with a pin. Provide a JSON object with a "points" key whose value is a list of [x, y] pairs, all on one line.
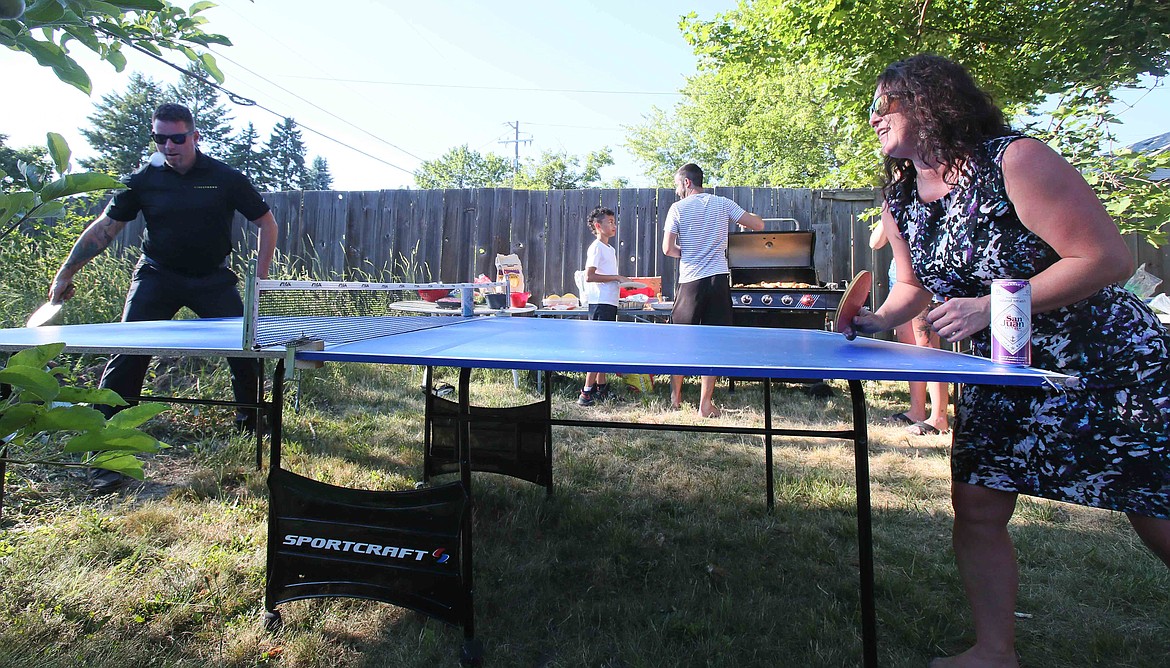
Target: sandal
{"points": [[922, 429], [897, 419]]}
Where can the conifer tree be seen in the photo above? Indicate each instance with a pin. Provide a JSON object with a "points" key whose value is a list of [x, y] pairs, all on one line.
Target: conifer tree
{"points": [[243, 153], [284, 158], [319, 176], [120, 134], [211, 117]]}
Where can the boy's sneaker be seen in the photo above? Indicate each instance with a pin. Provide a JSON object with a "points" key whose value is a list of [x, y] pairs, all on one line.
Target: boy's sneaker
{"points": [[587, 398]]}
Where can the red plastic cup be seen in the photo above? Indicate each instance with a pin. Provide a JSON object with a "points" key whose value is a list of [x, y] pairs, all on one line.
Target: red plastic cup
{"points": [[520, 299]]}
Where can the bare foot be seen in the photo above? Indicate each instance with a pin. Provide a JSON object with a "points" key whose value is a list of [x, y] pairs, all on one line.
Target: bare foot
{"points": [[977, 658], [712, 412], [675, 403]]}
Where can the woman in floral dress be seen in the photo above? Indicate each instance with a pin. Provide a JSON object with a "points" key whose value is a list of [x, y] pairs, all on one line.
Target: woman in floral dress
{"points": [[969, 201]]}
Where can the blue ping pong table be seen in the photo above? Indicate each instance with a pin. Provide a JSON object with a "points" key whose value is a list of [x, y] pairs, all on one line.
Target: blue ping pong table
{"points": [[554, 345]]}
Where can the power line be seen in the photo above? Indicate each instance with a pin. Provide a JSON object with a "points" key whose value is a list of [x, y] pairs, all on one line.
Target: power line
{"points": [[316, 106], [243, 101], [503, 88]]}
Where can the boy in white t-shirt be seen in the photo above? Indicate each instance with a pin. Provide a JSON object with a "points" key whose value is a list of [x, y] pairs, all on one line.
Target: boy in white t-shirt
{"points": [[601, 268]]}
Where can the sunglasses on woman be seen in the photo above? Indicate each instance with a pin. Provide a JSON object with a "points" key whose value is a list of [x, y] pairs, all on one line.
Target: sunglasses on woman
{"points": [[882, 103], [180, 138]]}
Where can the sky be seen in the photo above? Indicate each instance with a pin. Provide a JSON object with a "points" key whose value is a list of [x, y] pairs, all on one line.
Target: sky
{"points": [[378, 86]]}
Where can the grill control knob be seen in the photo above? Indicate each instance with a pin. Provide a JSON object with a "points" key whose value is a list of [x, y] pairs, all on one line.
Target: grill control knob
{"points": [[766, 300], [786, 300], [745, 299]]}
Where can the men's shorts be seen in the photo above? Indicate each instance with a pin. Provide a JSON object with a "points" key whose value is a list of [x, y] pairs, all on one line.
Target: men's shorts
{"points": [[706, 301], [603, 312]]}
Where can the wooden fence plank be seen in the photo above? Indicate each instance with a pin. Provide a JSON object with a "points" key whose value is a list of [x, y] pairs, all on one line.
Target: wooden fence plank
{"points": [[430, 229], [363, 228], [577, 238], [552, 265], [408, 220], [538, 231], [499, 231], [653, 205], [386, 254]]}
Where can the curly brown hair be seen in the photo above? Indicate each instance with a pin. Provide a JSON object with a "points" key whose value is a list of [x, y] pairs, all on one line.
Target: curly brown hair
{"points": [[596, 216], [943, 104]]}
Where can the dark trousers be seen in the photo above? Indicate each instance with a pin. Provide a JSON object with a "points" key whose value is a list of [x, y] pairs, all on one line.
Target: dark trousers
{"points": [[158, 294]]}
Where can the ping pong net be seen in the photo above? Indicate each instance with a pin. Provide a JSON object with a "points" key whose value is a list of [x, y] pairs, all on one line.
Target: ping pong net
{"points": [[294, 313]]}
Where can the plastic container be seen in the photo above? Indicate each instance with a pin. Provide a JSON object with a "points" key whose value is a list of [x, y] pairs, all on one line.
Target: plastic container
{"points": [[496, 300], [520, 299], [433, 295]]}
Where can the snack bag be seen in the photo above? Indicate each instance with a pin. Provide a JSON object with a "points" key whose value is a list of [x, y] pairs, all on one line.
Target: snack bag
{"points": [[638, 382], [508, 268]]}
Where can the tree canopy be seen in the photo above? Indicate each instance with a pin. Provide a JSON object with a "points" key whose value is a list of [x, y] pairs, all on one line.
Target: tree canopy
{"points": [[47, 29], [783, 85], [462, 167]]}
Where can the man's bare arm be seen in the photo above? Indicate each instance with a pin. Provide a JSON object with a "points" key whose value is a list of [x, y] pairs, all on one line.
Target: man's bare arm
{"points": [[266, 244], [95, 239]]}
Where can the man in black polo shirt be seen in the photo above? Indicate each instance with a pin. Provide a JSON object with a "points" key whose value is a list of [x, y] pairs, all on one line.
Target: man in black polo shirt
{"points": [[188, 203]]}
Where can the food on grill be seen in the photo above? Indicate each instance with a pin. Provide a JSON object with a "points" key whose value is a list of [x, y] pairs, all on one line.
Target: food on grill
{"points": [[774, 285]]}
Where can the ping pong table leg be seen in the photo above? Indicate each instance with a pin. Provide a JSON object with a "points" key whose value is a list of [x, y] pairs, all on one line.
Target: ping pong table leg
{"points": [[864, 525], [769, 476], [258, 414], [275, 416]]}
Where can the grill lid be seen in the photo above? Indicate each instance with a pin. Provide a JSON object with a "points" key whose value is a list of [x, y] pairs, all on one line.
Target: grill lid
{"points": [[758, 250]]}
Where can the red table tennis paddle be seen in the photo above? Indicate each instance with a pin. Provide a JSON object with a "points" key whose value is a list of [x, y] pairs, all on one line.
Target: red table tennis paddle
{"points": [[855, 297]]}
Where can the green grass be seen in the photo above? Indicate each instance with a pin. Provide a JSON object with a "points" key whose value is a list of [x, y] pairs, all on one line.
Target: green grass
{"points": [[657, 548]]}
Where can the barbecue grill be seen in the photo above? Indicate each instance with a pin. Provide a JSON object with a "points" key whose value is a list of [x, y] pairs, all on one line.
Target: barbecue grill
{"points": [[774, 282]]}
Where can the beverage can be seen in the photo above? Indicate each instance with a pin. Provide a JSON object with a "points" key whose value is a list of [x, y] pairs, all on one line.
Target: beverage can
{"points": [[1011, 322]]}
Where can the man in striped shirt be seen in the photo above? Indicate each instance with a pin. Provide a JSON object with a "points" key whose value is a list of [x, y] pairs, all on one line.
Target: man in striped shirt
{"points": [[696, 233]]}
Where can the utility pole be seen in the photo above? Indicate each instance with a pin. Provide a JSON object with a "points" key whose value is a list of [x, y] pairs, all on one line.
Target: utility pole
{"points": [[517, 141]]}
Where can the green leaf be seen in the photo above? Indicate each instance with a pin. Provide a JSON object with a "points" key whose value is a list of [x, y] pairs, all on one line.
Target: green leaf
{"points": [[116, 58], [123, 463], [83, 35], [58, 151], [139, 5], [85, 395], [48, 210], [70, 418], [104, 7], [112, 438], [136, 415], [72, 184], [209, 64], [43, 11], [32, 175], [36, 357], [54, 57], [17, 416], [36, 382], [14, 204], [200, 6]]}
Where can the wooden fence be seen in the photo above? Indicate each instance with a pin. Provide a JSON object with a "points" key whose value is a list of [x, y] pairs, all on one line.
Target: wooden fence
{"points": [[454, 235]]}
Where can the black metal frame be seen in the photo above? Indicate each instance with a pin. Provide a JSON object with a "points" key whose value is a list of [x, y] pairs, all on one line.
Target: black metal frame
{"points": [[436, 518], [439, 462]]}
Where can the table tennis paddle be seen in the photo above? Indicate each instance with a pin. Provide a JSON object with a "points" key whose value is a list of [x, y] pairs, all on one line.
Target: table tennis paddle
{"points": [[854, 298], [44, 314]]}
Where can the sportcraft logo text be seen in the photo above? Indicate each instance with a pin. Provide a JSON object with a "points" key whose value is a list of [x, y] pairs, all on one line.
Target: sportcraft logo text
{"points": [[440, 555]]}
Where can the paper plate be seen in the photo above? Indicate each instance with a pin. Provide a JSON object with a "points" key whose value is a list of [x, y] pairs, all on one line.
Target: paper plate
{"points": [[662, 306]]}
